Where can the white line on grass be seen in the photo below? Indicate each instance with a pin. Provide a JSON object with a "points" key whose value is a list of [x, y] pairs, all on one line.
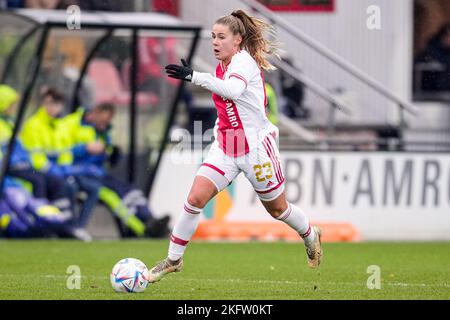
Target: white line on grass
{"points": [[394, 284], [276, 282]]}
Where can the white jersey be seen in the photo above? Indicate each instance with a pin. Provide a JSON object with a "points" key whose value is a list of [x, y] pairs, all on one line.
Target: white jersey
{"points": [[240, 98]]}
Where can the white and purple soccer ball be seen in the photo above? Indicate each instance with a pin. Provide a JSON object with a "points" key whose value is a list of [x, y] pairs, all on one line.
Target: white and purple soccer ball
{"points": [[129, 275]]}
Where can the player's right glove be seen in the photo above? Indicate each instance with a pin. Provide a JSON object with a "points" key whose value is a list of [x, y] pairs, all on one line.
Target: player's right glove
{"points": [[183, 72]]}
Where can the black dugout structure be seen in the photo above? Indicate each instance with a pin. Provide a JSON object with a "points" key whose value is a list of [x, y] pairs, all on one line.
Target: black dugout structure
{"points": [[101, 54]]}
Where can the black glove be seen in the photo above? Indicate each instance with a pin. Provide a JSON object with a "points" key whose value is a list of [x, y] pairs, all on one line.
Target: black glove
{"points": [[183, 72]]}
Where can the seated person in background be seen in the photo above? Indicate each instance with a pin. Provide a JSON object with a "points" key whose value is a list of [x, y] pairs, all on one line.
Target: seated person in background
{"points": [[92, 145], [43, 186], [437, 58], [48, 143], [293, 92], [10, 224], [22, 215]]}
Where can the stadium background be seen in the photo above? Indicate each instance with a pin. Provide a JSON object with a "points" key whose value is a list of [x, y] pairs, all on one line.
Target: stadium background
{"points": [[378, 173]]}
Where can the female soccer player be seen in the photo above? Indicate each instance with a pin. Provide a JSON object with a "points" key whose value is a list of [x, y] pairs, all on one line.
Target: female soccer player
{"points": [[244, 137]]}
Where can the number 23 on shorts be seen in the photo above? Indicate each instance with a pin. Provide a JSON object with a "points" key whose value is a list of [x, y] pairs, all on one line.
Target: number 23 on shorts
{"points": [[263, 172]]}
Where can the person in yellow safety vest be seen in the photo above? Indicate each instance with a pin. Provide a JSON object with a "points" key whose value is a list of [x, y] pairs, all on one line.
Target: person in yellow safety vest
{"points": [[92, 145], [47, 140], [8, 103], [272, 104], [44, 187]]}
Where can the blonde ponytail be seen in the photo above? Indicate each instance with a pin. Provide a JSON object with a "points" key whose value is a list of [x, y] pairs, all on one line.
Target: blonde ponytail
{"points": [[253, 31]]}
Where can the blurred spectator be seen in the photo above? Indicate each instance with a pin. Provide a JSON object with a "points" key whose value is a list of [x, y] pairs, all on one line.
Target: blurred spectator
{"points": [[44, 136], [433, 64], [10, 224], [63, 60], [20, 164], [43, 186], [293, 94], [154, 54], [22, 215], [92, 145], [48, 141]]}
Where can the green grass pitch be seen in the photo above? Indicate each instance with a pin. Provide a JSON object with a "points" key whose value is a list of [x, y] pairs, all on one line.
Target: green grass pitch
{"points": [[278, 270]]}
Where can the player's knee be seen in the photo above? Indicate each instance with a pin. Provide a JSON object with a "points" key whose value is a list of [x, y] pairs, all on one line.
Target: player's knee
{"points": [[275, 210], [196, 201]]}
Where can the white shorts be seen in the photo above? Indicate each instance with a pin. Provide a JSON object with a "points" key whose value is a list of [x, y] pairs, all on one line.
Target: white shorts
{"points": [[261, 166]]}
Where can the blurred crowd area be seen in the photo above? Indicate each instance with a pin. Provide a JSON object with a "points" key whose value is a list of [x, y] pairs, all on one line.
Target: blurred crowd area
{"points": [[47, 191], [107, 81], [285, 94], [106, 5], [431, 50], [431, 72], [72, 148], [59, 169]]}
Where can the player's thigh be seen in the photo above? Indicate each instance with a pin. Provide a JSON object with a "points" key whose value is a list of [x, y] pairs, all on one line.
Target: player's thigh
{"points": [[201, 192], [215, 174], [263, 169], [219, 168]]}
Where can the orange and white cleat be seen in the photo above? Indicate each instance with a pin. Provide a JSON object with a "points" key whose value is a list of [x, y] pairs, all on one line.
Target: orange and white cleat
{"points": [[314, 250], [164, 267]]}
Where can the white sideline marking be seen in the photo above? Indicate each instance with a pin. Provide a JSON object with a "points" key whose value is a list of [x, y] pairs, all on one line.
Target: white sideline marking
{"points": [[362, 283]]}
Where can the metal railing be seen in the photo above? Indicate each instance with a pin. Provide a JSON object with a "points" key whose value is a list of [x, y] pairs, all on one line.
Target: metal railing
{"points": [[331, 56], [291, 125]]}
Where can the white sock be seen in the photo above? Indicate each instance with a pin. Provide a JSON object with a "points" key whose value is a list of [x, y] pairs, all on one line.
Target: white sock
{"points": [[297, 220], [183, 231]]}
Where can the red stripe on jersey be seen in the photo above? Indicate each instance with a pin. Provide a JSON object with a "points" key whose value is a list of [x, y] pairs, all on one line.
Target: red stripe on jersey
{"points": [[220, 71], [239, 77], [179, 241], [214, 167], [231, 135]]}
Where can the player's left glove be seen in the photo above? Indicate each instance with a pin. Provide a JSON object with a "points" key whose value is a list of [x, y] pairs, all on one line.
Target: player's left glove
{"points": [[183, 72]]}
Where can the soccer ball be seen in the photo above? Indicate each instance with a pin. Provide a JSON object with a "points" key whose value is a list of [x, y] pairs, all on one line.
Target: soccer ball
{"points": [[129, 275]]}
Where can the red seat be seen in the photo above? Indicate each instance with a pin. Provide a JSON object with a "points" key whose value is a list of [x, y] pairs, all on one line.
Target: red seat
{"points": [[109, 88]]}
